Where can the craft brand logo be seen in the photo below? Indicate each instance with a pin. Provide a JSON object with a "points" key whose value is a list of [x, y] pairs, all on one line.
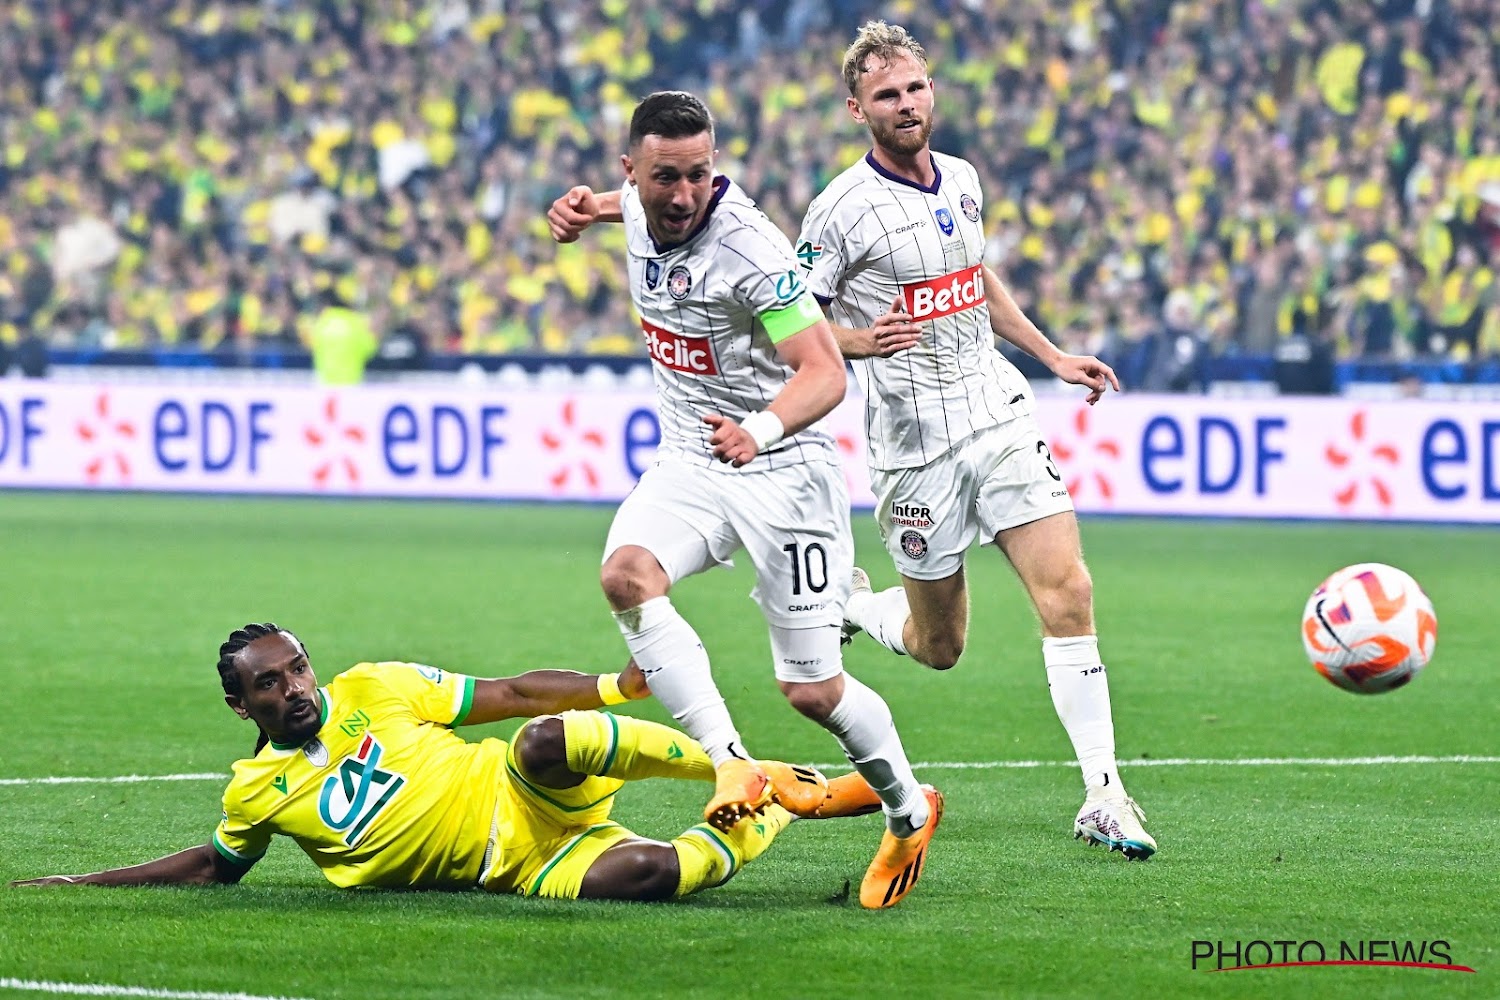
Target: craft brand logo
{"points": [[1434, 954]]}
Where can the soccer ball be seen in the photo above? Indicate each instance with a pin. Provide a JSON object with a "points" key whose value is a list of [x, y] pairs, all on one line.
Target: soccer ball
{"points": [[1369, 628]]}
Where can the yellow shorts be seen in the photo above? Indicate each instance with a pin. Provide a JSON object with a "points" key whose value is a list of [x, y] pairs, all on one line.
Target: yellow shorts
{"points": [[544, 840]]}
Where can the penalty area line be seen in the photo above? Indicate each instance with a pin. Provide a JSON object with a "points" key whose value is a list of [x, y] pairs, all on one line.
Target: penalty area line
{"points": [[958, 765], [107, 990]]}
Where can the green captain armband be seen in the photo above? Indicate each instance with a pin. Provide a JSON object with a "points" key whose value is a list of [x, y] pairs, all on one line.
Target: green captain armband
{"points": [[783, 323]]}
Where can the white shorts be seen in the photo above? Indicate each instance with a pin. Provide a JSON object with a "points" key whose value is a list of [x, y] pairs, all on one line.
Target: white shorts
{"points": [[792, 522], [997, 478]]}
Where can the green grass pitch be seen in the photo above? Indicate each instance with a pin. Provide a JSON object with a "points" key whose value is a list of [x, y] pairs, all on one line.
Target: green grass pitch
{"points": [[112, 607]]}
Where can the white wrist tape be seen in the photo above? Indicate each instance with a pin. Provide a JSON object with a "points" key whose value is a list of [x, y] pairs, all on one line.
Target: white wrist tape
{"points": [[765, 427]]}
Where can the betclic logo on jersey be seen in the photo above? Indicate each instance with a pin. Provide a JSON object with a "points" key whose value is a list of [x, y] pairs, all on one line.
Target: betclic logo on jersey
{"points": [[939, 297], [689, 355]]}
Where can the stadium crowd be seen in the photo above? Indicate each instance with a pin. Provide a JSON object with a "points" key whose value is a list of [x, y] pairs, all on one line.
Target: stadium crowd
{"points": [[1166, 179]]}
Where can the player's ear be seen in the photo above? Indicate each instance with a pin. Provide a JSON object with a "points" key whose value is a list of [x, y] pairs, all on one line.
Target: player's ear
{"points": [[237, 705], [629, 166], [854, 110]]}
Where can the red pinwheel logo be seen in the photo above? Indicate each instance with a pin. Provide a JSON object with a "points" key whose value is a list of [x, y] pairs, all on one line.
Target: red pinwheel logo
{"points": [[104, 431], [334, 441], [1082, 456], [1363, 462], [566, 441]]}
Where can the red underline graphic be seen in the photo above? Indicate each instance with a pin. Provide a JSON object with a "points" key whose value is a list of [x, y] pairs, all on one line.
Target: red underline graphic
{"points": [[1301, 965]]}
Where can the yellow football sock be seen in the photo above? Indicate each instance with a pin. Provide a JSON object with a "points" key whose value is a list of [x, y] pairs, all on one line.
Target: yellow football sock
{"points": [[707, 857], [618, 746]]}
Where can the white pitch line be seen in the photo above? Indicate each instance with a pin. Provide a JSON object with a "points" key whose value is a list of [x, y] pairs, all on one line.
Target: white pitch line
{"points": [[106, 990], [119, 779], [961, 765]]}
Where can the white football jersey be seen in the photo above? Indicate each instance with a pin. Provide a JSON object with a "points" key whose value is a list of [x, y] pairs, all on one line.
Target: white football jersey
{"points": [[871, 236], [705, 305]]}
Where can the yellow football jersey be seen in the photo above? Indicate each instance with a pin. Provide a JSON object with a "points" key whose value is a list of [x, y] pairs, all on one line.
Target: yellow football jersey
{"points": [[385, 794]]}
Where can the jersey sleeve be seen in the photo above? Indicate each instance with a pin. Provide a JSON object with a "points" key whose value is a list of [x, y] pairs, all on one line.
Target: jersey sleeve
{"points": [[433, 695], [766, 279], [825, 249], [238, 838]]}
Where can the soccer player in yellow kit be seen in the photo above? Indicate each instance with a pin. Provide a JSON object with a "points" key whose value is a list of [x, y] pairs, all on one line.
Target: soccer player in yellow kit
{"points": [[366, 775]]}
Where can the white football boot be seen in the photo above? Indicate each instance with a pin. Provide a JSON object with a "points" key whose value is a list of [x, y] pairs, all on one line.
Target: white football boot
{"points": [[1114, 821], [859, 583]]}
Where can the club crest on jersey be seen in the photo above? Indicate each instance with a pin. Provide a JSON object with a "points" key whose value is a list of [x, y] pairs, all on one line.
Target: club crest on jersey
{"points": [[653, 274], [359, 792], [944, 221], [970, 207], [679, 282], [315, 752], [913, 544]]}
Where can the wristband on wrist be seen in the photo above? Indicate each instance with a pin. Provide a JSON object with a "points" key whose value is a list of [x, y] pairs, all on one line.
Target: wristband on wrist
{"points": [[765, 427], [609, 690]]}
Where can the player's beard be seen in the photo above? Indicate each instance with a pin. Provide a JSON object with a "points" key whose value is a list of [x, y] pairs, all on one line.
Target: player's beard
{"points": [[902, 142]]}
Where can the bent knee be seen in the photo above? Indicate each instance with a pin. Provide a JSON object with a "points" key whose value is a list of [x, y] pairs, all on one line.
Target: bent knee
{"points": [[541, 746], [815, 701], [632, 576], [1068, 607], [635, 870], [940, 650]]}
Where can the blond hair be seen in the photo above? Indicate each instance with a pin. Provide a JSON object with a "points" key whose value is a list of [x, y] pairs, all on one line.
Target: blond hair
{"points": [[883, 41]]}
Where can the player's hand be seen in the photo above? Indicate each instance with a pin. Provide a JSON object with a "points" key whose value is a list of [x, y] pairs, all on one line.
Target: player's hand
{"points": [[47, 880], [633, 683], [1082, 369], [731, 442], [571, 214], [894, 332]]}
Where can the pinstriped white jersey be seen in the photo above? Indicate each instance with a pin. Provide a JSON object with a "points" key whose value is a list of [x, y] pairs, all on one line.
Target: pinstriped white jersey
{"points": [[871, 236], [700, 304]]}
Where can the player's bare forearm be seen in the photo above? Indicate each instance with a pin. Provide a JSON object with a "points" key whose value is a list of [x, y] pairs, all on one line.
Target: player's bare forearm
{"points": [[544, 692], [820, 381], [580, 208], [1009, 322], [609, 207], [202, 865], [1012, 325]]}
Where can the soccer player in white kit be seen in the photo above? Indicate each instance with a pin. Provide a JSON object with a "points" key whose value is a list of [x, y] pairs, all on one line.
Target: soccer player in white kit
{"points": [[893, 250], [745, 367]]}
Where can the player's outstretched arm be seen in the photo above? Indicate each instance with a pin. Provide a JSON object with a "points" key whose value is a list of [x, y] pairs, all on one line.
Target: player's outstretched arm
{"points": [[202, 865], [580, 208], [809, 395], [1011, 324], [544, 692]]}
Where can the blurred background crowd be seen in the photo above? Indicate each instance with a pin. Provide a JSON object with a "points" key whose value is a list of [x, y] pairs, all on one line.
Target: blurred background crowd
{"points": [[1165, 180]]}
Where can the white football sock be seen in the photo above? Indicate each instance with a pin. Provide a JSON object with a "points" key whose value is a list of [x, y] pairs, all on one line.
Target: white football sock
{"points": [[883, 615], [863, 725], [1080, 693], [675, 663]]}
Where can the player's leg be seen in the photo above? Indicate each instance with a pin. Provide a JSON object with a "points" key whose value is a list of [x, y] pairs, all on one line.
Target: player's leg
{"points": [[559, 751], [796, 532], [668, 529], [701, 858], [927, 520], [1026, 504]]}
